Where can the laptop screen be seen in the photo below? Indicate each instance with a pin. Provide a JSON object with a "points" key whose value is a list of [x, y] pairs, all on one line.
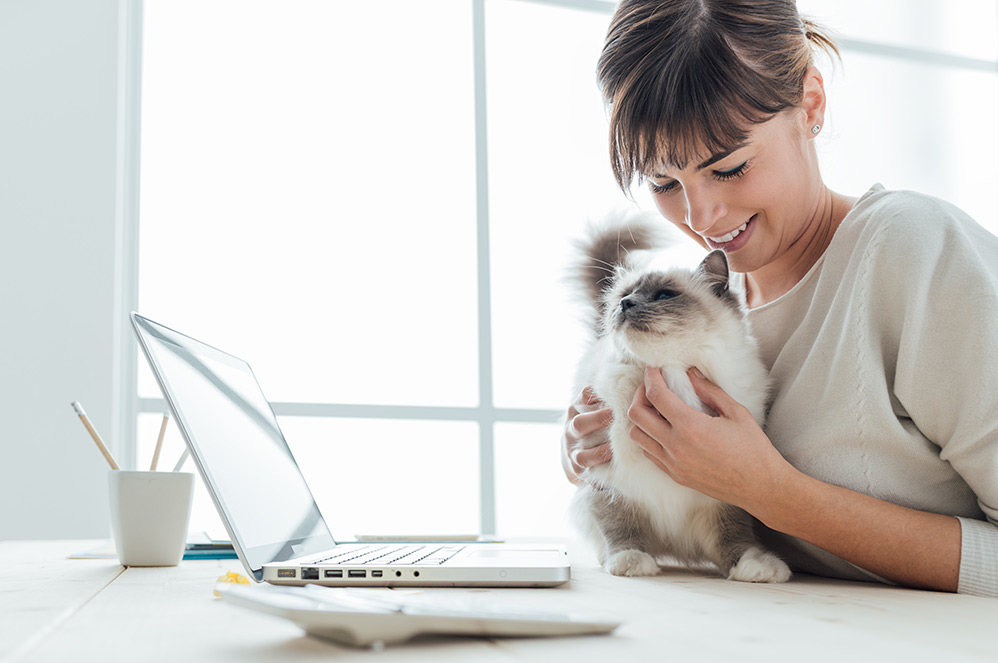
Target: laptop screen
{"points": [[237, 445]]}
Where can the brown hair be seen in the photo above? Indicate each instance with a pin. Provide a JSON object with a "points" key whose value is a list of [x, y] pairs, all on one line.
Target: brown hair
{"points": [[681, 76]]}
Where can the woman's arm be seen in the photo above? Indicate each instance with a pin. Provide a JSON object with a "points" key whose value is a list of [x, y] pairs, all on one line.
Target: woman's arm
{"points": [[730, 458], [906, 546]]}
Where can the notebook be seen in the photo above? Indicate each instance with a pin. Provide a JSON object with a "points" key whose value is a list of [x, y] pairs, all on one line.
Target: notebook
{"points": [[275, 526]]}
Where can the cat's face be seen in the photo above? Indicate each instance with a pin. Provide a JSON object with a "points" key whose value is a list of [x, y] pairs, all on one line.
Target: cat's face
{"points": [[645, 310]]}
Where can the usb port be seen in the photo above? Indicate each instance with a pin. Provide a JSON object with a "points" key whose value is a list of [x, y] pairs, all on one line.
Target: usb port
{"points": [[357, 573], [334, 573], [286, 573], [377, 574]]}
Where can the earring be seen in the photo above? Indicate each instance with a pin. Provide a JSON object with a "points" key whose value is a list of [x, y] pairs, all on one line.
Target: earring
{"points": [[816, 128]]}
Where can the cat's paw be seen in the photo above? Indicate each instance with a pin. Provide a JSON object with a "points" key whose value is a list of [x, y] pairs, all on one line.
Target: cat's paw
{"points": [[631, 563], [757, 565]]}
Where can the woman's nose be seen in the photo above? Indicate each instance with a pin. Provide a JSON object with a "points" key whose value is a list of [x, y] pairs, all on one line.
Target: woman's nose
{"points": [[702, 211]]}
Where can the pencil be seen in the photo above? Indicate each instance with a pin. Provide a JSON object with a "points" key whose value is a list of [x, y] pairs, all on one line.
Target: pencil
{"points": [[183, 457], [90, 429], [159, 442]]}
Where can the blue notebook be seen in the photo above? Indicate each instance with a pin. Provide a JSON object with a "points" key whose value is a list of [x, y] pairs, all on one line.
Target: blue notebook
{"points": [[204, 547]]}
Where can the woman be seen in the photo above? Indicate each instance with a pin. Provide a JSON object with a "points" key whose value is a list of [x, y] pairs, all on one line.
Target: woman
{"points": [[877, 314]]}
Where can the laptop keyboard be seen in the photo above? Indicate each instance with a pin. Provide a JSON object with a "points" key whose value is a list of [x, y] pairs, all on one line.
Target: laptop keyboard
{"points": [[390, 555]]}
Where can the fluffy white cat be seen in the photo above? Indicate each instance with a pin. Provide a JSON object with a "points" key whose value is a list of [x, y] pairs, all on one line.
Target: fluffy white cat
{"points": [[671, 319]]}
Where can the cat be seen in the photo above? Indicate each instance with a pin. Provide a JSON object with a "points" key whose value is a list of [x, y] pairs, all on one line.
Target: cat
{"points": [[672, 319]]}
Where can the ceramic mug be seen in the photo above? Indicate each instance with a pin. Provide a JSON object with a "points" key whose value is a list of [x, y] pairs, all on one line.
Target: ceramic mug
{"points": [[150, 514]]}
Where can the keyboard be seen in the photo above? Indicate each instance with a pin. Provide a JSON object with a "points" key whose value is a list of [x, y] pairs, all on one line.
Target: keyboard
{"points": [[391, 554]]}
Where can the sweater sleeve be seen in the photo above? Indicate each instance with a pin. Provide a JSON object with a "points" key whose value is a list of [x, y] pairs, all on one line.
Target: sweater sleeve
{"points": [[943, 316], [977, 558]]}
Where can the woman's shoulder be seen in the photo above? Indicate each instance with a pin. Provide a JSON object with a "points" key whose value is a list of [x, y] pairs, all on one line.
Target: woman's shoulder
{"points": [[909, 213], [907, 246], [910, 225]]}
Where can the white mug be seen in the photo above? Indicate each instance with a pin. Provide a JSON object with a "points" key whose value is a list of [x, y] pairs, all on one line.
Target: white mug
{"points": [[150, 514]]}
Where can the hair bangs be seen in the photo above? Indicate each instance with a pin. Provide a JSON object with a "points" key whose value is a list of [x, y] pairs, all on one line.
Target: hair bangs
{"points": [[689, 100]]}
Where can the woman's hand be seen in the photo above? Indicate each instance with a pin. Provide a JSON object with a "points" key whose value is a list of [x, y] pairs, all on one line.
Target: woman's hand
{"points": [[584, 441], [728, 457]]}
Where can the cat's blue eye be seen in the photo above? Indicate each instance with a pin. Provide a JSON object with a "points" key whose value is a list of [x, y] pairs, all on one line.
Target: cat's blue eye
{"points": [[662, 295]]}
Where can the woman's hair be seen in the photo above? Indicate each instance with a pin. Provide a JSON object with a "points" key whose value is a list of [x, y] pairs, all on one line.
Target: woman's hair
{"points": [[684, 77]]}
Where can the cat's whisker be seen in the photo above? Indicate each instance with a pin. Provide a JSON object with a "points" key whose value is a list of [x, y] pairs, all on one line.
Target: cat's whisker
{"points": [[605, 266]]}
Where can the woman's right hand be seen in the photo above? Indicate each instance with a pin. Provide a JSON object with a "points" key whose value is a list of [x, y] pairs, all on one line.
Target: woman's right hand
{"points": [[584, 441]]}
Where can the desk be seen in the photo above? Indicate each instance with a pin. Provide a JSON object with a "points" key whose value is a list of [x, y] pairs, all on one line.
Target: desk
{"points": [[57, 609]]}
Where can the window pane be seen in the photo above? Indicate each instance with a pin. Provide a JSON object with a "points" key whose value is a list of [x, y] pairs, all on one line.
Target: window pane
{"points": [[368, 477], [549, 174], [389, 477], [965, 28], [947, 145], [533, 494], [308, 193]]}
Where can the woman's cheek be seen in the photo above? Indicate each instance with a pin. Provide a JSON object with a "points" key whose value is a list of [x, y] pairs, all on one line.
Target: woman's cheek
{"points": [[671, 208]]}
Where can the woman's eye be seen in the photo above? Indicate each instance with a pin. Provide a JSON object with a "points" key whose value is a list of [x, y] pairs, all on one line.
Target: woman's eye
{"points": [[662, 295], [732, 173], [663, 188]]}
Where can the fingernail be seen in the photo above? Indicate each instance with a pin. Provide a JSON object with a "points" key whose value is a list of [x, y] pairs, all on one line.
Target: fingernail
{"points": [[696, 371]]}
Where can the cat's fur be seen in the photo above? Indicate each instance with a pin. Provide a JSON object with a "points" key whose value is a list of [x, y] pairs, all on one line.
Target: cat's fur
{"points": [[673, 319]]}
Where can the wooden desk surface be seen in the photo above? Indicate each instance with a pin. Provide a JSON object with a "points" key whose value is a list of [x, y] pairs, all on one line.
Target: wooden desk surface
{"points": [[57, 609]]}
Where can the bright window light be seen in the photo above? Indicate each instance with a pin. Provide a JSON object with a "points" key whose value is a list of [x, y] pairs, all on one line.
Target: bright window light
{"points": [[314, 180]]}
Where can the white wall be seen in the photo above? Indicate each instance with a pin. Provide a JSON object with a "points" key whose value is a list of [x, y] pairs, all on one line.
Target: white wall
{"points": [[60, 224]]}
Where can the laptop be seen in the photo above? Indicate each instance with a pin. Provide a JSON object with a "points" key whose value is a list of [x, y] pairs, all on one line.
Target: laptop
{"points": [[266, 506]]}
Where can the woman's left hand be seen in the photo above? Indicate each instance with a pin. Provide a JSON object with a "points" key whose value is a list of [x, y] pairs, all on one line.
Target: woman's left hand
{"points": [[727, 457]]}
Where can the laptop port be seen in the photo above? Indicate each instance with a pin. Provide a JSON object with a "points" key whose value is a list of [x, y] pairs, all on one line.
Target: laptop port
{"points": [[287, 573], [357, 573], [334, 573], [377, 574], [310, 574]]}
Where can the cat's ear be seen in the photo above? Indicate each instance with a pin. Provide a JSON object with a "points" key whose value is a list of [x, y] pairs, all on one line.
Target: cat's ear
{"points": [[714, 269]]}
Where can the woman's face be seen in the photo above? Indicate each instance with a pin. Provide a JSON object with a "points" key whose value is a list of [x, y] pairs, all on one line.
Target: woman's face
{"points": [[753, 202]]}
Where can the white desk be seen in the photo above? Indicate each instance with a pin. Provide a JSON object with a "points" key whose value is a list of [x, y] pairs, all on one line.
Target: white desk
{"points": [[56, 609]]}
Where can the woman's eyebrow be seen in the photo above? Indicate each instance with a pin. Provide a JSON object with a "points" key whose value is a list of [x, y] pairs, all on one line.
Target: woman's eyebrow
{"points": [[720, 155], [712, 160]]}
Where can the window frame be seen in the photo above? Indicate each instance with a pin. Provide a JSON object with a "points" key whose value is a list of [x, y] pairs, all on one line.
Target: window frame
{"points": [[486, 415]]}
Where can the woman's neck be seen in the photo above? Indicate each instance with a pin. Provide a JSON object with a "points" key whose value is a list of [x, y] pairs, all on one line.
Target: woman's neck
{"points": [[777, 278]]}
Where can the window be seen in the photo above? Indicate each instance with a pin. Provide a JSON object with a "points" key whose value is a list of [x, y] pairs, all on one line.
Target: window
{"points": [[914, 101], [373, 206]]}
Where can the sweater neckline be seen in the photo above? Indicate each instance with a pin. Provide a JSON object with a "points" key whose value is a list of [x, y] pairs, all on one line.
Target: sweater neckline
{"points": [[816, 267]]}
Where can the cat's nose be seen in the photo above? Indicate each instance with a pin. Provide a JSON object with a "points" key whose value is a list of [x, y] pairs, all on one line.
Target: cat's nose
{"points": [[627, 303]]}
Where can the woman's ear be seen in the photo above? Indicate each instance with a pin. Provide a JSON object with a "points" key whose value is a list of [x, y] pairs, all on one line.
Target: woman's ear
{"points": [[813, 101]]}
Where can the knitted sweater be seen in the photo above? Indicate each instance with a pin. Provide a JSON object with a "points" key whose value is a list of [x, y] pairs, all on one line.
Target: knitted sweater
{"points": [[885, 364]]}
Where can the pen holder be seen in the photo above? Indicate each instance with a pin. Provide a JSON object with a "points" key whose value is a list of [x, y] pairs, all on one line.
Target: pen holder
{"points": [[150, 514]]}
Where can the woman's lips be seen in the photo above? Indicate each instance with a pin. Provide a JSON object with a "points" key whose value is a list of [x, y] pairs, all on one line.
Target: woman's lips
{"points": [[735, 239]]}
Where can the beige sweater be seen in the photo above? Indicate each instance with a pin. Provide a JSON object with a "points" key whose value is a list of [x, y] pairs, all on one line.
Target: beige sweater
{"points": [[885, 364]]}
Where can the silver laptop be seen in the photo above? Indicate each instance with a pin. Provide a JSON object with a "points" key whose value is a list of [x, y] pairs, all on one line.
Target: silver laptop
{"points": [[266, 506]]}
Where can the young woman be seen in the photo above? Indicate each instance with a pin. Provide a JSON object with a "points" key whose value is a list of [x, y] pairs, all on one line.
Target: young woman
{"points": [[877, 314]]}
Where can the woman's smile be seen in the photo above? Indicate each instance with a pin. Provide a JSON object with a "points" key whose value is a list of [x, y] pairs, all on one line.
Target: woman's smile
{"points": [[735, 239]]}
